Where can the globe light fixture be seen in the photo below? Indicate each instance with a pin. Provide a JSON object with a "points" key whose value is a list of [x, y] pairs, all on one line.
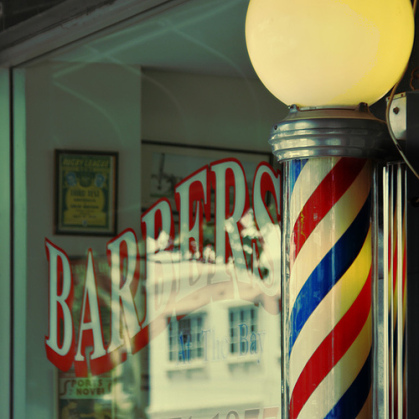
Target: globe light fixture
{"points": [[328, 60], [329, 52]]}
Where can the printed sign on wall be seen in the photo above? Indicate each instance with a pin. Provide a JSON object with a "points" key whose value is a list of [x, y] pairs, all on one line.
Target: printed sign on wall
{"points": [[86, 188]]}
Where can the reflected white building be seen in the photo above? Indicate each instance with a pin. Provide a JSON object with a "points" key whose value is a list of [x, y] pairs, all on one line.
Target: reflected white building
{"points": [[216, 351]]}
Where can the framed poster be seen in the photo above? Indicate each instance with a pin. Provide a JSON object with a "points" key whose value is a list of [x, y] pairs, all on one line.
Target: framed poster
{"points": [[90, 397], [86, 192], [164, 165]]}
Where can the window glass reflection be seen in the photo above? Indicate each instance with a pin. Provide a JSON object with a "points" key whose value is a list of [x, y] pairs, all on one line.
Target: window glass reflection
{"points": [[177, 315]]}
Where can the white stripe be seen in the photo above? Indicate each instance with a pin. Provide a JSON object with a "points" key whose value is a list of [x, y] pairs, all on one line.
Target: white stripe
{"points": [[328, 232], [310, 177]]}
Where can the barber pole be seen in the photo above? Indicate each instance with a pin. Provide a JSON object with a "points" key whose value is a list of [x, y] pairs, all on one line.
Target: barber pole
{"points": [[330, 270], [330, 305]]}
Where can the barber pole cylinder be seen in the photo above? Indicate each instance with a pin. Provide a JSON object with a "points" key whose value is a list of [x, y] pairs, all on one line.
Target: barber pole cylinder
{"points": [[329, 243], [329, 287]]}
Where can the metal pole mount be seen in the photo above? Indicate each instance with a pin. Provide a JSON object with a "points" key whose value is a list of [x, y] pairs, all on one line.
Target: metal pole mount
{"points": [[323, 132]]}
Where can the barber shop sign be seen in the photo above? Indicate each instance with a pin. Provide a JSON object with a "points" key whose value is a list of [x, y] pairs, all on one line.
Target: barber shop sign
{"points": [[172, 265]]}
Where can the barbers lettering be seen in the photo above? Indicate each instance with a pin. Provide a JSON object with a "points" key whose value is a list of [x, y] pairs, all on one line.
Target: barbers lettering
{"points": [[172, 270]]}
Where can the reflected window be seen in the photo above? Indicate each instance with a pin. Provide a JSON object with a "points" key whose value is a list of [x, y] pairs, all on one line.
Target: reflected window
{"points": [[243, 330], [185, 338]]}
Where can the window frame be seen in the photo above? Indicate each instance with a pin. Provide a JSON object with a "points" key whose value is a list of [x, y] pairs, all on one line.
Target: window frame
{"points": [[190, 349]]}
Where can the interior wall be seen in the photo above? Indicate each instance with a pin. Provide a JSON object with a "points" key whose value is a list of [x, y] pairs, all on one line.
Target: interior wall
{"points": [[208, 110], [77, 107]]}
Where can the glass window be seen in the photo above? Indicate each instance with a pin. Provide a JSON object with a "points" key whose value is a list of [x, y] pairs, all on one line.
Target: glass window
{"points": [[147, 224]]}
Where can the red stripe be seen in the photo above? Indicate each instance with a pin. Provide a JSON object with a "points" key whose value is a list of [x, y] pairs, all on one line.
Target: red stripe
{"points": [[332, 349], [329, 191]]}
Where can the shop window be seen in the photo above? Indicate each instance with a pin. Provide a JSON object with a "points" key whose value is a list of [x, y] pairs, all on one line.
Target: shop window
{"points": [[191, 225]]}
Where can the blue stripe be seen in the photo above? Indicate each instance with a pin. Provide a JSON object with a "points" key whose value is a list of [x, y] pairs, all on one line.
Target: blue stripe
{"points": [[351, 403], [295, 169], [328, 272]]}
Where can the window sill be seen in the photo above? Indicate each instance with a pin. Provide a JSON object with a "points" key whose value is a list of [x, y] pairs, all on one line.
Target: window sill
{"points": [[243, 359], [191, 365]]}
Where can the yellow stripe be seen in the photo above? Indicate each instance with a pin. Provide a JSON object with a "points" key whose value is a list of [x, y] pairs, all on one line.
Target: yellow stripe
{"points": [[355, 277]]}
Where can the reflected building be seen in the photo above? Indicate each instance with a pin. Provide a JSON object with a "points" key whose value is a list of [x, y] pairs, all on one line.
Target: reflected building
{"points": [[216, 351]]}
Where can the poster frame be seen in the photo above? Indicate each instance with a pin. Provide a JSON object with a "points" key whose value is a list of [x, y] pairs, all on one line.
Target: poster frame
{"points": [[108, 227]]}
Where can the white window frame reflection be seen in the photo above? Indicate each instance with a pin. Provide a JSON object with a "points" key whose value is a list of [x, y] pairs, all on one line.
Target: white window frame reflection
{"points": [[243, 321], [185, 338]]}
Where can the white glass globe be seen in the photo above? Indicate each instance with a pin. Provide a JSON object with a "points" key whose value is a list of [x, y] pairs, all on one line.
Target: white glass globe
{"points": [[329, 52]]}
